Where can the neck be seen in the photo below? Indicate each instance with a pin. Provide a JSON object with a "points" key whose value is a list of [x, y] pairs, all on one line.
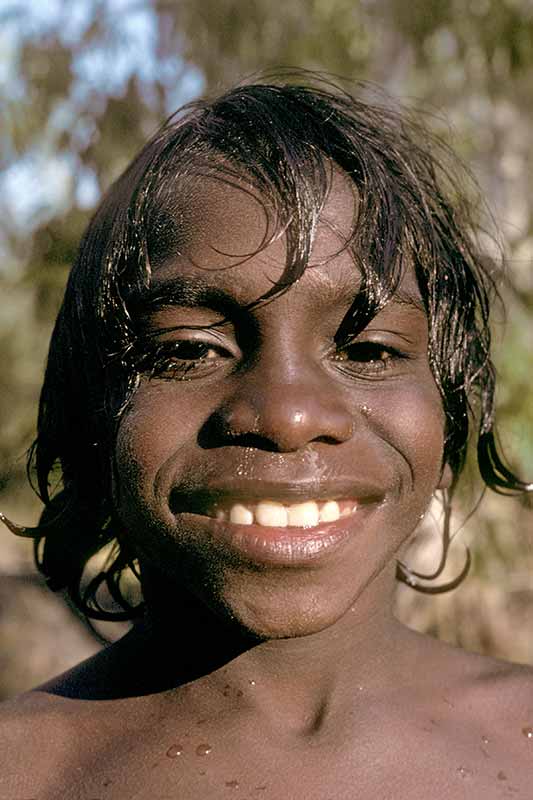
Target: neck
{"points": [[303, 675]]}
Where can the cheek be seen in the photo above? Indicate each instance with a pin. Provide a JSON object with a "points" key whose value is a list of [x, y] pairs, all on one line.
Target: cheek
{"points": [[155, 437], [413, 422]]}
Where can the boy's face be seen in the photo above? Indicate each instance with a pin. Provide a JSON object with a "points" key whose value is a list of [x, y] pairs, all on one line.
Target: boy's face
{"points": [[269, 472]]}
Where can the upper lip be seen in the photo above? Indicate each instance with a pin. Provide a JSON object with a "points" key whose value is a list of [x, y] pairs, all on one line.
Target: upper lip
{"points": [[242, 490]]}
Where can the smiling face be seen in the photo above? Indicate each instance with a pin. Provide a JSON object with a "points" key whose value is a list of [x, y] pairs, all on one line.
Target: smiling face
{"points": [[270, 472]]}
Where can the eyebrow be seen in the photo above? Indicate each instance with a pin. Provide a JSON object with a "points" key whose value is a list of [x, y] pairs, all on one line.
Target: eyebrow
{"points": [[346, 292], [190, 291]]}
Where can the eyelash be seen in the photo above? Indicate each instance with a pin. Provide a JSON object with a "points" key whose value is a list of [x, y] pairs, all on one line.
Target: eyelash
{"points": [[370, 359], [171, 361]]}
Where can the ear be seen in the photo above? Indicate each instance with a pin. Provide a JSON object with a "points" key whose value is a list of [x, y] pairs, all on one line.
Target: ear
{"points": [[446, 477]]}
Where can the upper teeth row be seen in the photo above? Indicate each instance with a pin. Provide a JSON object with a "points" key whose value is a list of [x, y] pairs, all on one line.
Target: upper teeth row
{"points": [[273, 514]]}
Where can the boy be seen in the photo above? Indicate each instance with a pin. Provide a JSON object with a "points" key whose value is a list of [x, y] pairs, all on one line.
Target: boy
{"points": [[263, 369]]}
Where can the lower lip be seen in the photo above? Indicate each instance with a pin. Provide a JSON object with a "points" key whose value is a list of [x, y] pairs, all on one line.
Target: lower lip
{"points": [[285, 546]]}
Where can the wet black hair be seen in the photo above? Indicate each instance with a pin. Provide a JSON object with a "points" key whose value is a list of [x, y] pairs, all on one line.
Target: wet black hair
{"points": [[282, 137]]}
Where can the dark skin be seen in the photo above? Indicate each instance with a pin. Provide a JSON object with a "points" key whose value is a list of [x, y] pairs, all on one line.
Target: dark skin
{"points": [[271, 664]]}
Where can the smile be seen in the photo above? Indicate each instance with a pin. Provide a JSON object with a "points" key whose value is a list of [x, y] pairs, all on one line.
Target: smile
{"points": [[273, 514], [267, 522]]}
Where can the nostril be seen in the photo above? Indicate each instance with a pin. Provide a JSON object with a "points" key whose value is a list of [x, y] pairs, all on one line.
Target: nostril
{"points": [[253, 440], [216, 432], [327, 439], [212, 435]]}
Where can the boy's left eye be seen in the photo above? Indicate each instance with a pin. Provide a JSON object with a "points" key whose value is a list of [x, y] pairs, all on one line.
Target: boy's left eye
{"points": [[366, 358], [193, 351]]}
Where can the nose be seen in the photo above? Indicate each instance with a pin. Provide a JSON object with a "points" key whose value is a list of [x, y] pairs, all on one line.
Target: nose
{"points": [[283, 417]]}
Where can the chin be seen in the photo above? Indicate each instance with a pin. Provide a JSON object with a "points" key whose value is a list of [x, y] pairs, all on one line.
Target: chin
{"points": [[281, 615], [266, 628]]}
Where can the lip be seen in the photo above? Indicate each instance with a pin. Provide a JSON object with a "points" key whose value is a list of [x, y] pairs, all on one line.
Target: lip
{"points": [[283, 547], [265, 545]]}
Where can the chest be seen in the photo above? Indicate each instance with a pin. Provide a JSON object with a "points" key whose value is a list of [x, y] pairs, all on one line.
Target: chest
{"points": [[209, 764]]}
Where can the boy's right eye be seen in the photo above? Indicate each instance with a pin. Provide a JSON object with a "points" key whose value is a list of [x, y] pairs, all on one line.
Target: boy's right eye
{"points": [[183, 359]]}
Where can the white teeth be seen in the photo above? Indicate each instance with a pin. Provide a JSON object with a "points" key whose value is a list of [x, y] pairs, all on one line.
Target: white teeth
{"points": [[330, 511], [241, 515], [276, 515], [303, 515], [271, 514]]}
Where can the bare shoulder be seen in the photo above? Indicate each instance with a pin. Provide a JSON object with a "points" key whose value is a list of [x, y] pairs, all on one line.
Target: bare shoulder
{"points": [[45, 733], [49, 740], [478, 687], [494, 704], [505, 692], [486, 691], [492, 680], [37, 733], [55, 736], [20, 715]]}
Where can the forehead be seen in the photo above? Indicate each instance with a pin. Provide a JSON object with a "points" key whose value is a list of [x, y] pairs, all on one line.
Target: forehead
{"points": [[228, 235], [216, 215]]}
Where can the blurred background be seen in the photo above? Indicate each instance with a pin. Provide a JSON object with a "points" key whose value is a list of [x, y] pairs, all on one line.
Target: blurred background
{"points": [[83, 83]]}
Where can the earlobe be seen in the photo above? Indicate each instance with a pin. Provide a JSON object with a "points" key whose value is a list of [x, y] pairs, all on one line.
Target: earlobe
{"points": [[446, 477]]}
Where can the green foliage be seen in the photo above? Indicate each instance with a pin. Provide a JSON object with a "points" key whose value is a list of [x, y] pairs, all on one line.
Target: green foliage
{"points": [[228, 38]]}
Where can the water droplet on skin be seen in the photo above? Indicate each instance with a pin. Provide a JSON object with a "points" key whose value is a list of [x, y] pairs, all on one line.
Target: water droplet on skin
{"points": [[360, 688], [448, 702], [252, 683], [232, 784], [175, 751], [244, 466], [203, 749], [485, 739], [464, 772], [502, 776], [528, 733]]}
